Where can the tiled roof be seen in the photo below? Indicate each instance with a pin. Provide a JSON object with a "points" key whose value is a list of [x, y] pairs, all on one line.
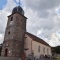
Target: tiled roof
{"points": [[37, 39]]}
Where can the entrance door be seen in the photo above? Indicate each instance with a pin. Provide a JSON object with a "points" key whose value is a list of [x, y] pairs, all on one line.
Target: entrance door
{"points": [[6, 52]]}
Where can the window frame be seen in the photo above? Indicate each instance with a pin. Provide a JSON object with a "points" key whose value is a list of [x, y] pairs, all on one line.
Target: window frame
{"points": [[39, 48], [44, 50], [11, 18]]}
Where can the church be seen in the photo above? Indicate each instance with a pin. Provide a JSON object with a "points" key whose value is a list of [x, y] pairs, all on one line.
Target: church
{"points": [[18, 42]]}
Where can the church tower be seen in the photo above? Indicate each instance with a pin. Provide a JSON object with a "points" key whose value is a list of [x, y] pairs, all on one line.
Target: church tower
{"points": [[13, 45]]}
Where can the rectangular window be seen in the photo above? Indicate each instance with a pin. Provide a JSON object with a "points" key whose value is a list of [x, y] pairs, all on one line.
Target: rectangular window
{"points": [[11, 21], [47, 50], [44, 50], [38, 48], [9, 32], [11, 18]]}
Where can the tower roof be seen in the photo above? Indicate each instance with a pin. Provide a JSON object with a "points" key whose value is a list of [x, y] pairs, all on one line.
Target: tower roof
{"points": [[18, 9]]}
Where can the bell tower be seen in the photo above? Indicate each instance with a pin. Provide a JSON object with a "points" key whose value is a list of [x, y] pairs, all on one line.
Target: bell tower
{"points": [[13, 45]]}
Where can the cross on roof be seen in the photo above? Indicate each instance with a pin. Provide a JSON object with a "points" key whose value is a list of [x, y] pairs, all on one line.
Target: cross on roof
{"points": [[19, 2]]}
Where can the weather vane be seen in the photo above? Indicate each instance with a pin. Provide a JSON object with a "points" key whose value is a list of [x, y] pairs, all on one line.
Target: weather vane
{"points": [[19, 2]]}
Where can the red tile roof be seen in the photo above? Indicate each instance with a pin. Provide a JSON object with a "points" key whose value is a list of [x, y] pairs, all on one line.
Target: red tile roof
{"points": [[37, 39]]}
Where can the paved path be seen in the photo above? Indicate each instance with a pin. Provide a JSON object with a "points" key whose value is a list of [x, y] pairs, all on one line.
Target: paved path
{"points": [[16, 58], [46, 59], [9, 58]]}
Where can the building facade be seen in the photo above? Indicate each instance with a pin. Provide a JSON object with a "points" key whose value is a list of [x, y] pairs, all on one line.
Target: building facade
{"points": [[13, 45], [17, 41], [36, 46]]}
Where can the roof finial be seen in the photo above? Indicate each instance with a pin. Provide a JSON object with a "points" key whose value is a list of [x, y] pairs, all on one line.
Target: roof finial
{"points": [[19, 2]]}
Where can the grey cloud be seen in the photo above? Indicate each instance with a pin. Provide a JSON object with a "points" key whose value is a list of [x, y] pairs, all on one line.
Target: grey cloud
{"points": [[46, 18], [2, 24], [3, 17], [42, 4], [10, 5], [43, 14], [40, 14], [1, 38], [4, 13]]}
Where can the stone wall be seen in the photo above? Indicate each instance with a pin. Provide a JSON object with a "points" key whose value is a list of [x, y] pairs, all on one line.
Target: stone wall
{"points": [[14, 36]]}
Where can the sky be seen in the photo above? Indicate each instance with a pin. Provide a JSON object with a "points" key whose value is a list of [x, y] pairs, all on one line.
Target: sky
{"points": [[43, 18]]}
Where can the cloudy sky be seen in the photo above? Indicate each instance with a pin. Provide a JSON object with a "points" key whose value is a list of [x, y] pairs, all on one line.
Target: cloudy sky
{"points": [[43, 18]]}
